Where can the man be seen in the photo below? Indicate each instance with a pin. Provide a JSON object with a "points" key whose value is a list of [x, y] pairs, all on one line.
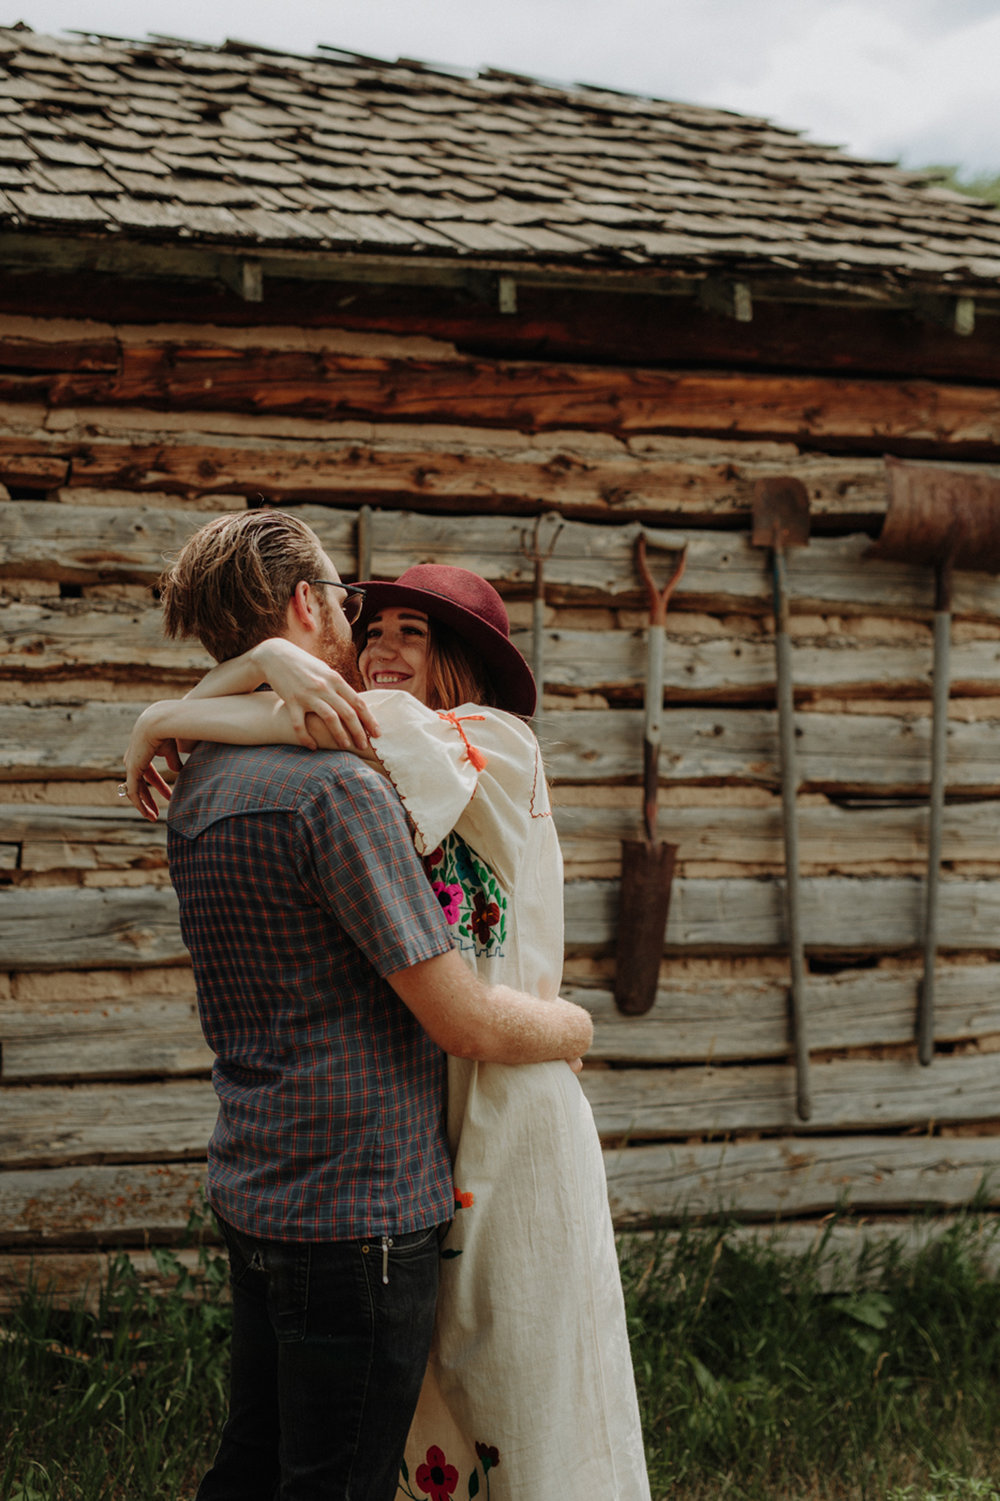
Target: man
{"points": [[328, 988]]}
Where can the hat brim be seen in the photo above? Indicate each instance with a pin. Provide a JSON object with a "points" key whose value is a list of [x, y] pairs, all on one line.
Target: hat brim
{"points": [[509, 673]]}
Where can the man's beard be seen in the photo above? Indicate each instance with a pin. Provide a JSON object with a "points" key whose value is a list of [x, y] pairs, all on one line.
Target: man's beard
{"points": [[337, 653]]}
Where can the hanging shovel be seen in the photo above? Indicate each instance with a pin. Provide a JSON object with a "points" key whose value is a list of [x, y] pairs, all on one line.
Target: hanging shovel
{"points": [[780, 521], [944, 519], [647, 864]]}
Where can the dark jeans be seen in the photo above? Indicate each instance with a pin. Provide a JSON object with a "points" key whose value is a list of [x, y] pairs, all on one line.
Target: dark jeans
{"points": [[330, 1343]]}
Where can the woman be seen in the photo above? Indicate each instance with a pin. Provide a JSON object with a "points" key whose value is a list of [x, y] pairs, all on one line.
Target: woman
{"points": [[529, 1393]]}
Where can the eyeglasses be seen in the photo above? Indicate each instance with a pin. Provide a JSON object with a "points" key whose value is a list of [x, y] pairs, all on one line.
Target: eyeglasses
{"points": [[354, 598]]}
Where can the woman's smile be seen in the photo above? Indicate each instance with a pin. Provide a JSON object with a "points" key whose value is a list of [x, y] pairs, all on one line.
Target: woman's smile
{"points": [[395, 652]]}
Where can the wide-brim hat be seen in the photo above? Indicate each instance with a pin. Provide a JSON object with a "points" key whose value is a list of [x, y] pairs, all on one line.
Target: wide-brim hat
{"points": [[474, 611]]}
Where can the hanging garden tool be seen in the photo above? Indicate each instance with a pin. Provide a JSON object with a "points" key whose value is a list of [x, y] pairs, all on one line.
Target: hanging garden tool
{"points": [[647, 864], [539, 556], [780, 521], [944, 519]]}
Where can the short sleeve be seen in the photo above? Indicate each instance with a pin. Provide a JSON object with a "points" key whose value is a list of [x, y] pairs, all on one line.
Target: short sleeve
{"points": [[475, 770], [358, 857]]}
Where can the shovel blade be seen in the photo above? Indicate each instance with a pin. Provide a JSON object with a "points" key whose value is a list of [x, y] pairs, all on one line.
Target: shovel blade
{"points": [[780, 513], [647, 872]]}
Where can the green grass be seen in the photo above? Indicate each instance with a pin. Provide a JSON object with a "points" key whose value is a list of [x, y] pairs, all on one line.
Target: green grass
{"points": [[756, 1381]]}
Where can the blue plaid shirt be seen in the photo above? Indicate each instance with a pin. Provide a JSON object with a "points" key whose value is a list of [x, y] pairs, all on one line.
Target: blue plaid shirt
{"points": [[299, 891]]}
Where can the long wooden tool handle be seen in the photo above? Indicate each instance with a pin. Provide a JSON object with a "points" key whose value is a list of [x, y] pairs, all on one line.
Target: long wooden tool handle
{"points": [[789, 809], [939, 759]]}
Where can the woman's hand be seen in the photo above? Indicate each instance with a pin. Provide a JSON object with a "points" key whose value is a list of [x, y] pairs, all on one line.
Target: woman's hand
{"points": [[308, 686], [141, 777]]}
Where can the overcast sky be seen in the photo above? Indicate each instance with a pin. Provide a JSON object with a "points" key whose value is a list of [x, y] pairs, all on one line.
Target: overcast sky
{"points": [[916, 81]]}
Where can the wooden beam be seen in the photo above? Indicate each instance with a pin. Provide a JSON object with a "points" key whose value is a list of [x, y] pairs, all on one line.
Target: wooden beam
{"points": [[957, 314], [600, 476], [839, 753], [874, 416], [125, 927], [733, 299], [850, 1094], [803, 1176], [245, 276]]}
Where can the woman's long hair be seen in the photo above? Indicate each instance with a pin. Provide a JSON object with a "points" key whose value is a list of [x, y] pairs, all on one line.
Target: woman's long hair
{"points": [[454, 675]]}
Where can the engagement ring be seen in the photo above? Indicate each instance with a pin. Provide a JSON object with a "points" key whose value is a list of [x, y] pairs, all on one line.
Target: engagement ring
{"points": [[123, 789]]}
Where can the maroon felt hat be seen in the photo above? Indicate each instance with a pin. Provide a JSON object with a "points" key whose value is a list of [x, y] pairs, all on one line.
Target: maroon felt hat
{"points": [[474, 611]]}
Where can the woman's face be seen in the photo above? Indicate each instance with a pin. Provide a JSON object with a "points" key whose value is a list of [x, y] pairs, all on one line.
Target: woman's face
{"points": [[395, 652]]}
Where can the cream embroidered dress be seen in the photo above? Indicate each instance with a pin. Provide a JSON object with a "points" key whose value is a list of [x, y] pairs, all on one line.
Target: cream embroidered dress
{"points": [[529, 1394]]}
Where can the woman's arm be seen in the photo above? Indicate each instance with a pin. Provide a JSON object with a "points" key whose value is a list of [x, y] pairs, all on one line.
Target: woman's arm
{"points": [[307, 685]]}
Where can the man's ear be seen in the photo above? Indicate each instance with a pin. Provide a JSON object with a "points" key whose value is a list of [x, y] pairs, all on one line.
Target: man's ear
{"points": [[303, 610]]}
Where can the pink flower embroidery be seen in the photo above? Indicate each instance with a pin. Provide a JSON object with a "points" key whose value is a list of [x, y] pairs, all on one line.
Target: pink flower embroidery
{"points": [[437, 1477], [450, 898]]}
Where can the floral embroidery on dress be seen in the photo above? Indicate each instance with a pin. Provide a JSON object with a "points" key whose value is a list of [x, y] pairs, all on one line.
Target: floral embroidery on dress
{"points": [[470, 895], [438, 1479]]}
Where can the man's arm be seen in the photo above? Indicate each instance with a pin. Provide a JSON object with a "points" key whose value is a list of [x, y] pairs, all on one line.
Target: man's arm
{"points": [[491, 1023]]}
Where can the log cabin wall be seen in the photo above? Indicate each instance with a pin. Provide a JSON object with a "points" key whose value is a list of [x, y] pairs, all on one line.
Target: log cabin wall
{"points": [[412, 420]]}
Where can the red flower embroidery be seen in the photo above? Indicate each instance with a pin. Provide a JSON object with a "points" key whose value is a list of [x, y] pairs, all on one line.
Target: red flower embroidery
{"points": [[488, 1456], [450, 898], [464, 1200], [434, 858], [437, 1477], [485, 914]]}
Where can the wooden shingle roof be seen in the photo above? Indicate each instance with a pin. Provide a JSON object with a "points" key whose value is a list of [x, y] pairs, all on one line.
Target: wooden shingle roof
{"points": [[246, 148]]}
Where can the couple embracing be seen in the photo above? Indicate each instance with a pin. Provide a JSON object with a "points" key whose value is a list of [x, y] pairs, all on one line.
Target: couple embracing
{"points": [[407, 1175]]}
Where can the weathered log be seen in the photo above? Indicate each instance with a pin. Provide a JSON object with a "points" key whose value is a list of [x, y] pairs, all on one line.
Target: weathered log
{"points": [[117, 1205], [839, 753], [682, 478], [109, 638], [137, 1203], [530, 396], [136, 1037], [564, 322], [739, 1017], [851, 1094], [118, 927], [76, 1278], [592, 564], [96, 544], [860, 915], [800, 1176], [127, 926], [831, 838], [171, 1121], [725, 1017], [165, 1122]]}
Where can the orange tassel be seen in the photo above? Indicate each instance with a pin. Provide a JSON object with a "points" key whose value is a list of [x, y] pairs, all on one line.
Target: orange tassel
{"points": [[472, 754]]}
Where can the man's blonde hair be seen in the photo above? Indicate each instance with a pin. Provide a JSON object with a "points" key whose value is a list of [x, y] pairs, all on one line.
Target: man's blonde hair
{"points": [[232, 581]]}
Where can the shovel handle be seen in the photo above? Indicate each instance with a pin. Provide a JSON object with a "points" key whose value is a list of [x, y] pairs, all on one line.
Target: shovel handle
{"points": [[659, 599]]}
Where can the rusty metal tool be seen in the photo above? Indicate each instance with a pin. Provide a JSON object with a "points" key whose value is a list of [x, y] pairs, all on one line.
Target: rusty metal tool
{"points": [[781, 521], [944, 519], [647, 864], [539, 556]]}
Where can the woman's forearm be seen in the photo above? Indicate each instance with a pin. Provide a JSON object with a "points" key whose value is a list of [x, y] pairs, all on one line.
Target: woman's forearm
{"points": [[241, 719], [240, 675]]}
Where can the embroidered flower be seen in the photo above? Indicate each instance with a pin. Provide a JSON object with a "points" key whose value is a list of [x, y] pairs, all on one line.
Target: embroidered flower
{"points": [[434, 858], [488, 1456], [450, 898], [437, 1477], [485, 915], [464, 1200]]}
